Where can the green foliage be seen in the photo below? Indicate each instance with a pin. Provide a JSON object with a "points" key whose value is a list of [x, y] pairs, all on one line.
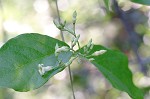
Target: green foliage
{"points": [[28, 61], [20, 57], [145, 2], [114, 66]]}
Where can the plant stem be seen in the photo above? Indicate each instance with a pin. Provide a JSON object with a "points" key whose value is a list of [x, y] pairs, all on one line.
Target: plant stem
{"points": [[69, 69], [62, 36], [75, 34]]}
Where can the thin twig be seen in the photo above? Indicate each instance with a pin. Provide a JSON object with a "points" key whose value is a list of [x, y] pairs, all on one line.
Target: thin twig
{"points": [[69, 69], [75, 35], [62, 36]]}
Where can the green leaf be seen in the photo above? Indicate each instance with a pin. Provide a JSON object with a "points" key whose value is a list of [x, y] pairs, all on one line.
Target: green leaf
{"points": [[145, 2], [114, 66], [19, 59]]}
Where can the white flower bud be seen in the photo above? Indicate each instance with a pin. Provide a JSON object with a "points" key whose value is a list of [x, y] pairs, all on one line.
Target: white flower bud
{"points": [[43, 69], [47, 68], [100, 52], [57, 24], [91, 59], [91, 47], [74, 16], [61, 49], [56, 46], [89, 43]]}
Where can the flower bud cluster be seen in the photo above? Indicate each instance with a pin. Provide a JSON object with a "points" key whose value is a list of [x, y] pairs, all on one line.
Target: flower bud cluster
{"points": [[88, 47], [74, 41]]}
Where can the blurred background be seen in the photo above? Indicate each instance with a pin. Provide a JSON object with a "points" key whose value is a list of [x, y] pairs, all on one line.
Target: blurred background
{"points": [[94, 21]]}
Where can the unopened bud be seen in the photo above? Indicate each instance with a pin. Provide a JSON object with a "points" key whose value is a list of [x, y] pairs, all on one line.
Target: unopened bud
{"points": [[43, 70], [62, 49], [60, 25], [69, 30], [89, 43], [100, 52], [57, 24], [63, 23], [91, 47], [56, 46], [74, 17], [91, 59]]}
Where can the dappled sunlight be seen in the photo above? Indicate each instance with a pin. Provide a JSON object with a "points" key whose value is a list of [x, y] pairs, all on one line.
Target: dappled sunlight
{"points": [[51, 30], [41, 6]]}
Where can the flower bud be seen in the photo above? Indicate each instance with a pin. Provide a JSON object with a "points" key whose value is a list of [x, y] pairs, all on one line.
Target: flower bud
{"points": [[74, 17], [61, 49], [57, 24], [91, 59], [89, 43], [91, 47], [100, 52], [85, 49], [56, 46], [43, 69], [60, 25]]}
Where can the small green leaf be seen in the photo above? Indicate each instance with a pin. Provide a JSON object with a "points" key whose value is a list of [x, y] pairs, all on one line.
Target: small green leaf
{"points": [[145, 2], [114, 66], [20, 57]]}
